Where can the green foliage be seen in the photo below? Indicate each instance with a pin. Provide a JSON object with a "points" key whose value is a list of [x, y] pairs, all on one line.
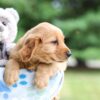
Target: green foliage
{"points": [[32, 11], [79, 20], [88, 53]]}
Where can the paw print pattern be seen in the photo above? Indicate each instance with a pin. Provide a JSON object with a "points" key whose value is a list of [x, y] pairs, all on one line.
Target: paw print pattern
{"points": [[23, 82], [24, 89], [7, 90]]}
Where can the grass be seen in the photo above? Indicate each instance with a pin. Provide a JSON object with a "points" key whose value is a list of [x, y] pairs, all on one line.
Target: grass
{"points": [[81, 85]]}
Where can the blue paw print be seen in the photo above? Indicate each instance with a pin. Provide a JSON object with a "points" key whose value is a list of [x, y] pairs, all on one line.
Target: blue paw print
{"points": [[23, 82]]}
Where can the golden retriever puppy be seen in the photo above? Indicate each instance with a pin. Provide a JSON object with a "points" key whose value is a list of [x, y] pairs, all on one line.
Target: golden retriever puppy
{"points": [[42, 49]]}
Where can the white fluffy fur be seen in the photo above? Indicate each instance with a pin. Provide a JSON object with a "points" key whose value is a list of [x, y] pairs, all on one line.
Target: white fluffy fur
{"points": [[8, 28], [10, 17]]}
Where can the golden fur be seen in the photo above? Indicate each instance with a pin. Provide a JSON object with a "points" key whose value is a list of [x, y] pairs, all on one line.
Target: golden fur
{"points": [[42, 49]]}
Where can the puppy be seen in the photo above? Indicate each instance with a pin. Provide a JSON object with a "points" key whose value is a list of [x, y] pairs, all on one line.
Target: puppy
{"points": [[42, 48]]}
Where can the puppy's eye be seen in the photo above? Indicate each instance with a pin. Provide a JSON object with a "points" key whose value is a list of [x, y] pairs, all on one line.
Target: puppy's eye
{"points": [[4, 23], [54, 42]]}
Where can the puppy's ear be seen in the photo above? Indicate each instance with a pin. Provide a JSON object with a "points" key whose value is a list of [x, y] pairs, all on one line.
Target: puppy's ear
{"points": [[28, 48]]}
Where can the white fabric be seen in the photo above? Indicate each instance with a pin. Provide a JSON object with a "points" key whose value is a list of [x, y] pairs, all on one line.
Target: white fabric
{"points": [[25, 90]]}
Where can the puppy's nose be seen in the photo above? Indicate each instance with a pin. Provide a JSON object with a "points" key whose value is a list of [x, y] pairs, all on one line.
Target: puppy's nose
{"points": [[69, 53], [1, 29]]}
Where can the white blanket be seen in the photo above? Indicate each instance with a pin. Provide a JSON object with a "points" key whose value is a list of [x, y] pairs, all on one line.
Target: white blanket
{"points": [[23, 89]]}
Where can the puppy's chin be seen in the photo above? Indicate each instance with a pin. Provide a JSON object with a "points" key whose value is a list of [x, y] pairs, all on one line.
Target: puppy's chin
{"points": [[46, 61], [50, 59], [59, 59], [53, 58]]}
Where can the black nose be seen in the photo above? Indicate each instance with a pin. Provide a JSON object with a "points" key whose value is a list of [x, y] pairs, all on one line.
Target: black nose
{"points": [[69, 53]]}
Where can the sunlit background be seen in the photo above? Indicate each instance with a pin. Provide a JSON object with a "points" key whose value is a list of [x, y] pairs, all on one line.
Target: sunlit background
{"points": [[80, 22]]}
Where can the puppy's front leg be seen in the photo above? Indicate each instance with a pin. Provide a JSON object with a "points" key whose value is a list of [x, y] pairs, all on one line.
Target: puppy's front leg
{"points": [[43, 73], [11, 72]]}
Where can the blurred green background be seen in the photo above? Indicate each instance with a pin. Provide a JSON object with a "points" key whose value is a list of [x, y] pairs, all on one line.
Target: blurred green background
{"points": [[80, 22]]}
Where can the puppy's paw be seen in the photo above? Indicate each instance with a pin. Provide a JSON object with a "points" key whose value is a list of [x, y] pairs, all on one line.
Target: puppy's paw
{"points": [[41, 83], [11, 77]]}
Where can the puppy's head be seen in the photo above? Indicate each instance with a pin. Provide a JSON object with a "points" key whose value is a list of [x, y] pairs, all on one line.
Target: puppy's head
{"points": [[45, 43]]}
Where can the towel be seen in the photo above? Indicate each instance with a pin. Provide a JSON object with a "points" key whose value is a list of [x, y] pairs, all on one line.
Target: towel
{"points": [[24, 89]]}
